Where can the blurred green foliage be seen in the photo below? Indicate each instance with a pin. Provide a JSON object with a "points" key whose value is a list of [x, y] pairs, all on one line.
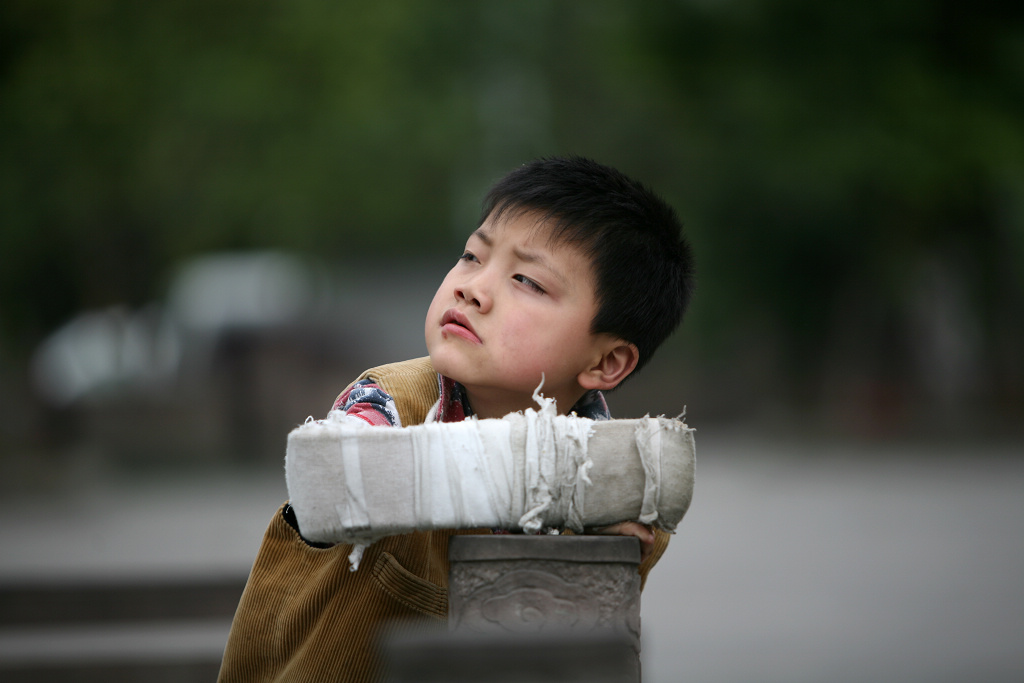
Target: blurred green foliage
{"points": [[826, 156]]}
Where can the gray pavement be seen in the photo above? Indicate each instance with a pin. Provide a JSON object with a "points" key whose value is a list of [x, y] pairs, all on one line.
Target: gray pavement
{"points": [[797, 562], [816, 563]]}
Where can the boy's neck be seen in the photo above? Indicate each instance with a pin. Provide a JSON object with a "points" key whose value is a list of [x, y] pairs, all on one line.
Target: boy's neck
{"points": [[498, 404]]}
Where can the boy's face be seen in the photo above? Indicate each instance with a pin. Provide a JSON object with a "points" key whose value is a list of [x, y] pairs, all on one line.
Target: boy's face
{"points": [[513, 307]]}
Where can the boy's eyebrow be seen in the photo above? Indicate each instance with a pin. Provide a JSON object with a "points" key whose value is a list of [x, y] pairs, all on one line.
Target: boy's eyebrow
{"points": [[524, 256], [542, 261], [529, 256]]}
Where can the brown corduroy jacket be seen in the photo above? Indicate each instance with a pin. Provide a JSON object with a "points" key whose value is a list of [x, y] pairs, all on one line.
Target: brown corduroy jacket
{"points": [[305, 617]]}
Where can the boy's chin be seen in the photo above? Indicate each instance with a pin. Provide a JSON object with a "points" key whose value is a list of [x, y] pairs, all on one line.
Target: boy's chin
{"points": [[445, 364]]}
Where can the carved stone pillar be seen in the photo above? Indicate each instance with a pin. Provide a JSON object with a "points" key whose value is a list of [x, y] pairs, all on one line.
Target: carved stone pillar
{"points": [[533, 608], [560, 587], [544, 584]]}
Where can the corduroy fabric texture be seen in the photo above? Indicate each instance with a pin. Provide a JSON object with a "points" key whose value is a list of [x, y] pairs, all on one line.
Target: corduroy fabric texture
{"points": [[412, 384], [303, 616]]}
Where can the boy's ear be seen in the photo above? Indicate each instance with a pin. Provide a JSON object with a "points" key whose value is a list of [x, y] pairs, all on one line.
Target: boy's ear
{"points": [[618, 360]]}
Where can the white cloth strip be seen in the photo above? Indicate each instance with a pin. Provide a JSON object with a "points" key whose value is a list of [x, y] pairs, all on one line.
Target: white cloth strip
{"points": [[352, 483]]}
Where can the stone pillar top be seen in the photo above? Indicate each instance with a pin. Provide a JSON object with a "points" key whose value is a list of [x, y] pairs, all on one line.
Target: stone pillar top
{"points": [[585, 549]]}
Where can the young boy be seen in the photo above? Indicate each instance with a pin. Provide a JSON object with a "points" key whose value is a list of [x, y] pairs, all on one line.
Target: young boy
{"points": [[576, 275]]}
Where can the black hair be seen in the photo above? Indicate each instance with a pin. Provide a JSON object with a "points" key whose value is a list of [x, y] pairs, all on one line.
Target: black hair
{"points": [[642, 263]]}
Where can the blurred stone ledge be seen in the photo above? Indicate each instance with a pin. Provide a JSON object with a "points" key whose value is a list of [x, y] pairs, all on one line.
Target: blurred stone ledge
{"points": [[115, 631], [556, 656], [35, 603]]}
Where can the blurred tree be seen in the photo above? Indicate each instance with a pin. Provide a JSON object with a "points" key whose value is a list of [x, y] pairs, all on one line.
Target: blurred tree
{"points": [[842, 154], [852, 174], [137, 134]]}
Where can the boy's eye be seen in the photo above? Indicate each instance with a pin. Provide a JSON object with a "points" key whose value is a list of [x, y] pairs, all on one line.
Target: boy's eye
{"points": [[529, 283], [468, 256]]}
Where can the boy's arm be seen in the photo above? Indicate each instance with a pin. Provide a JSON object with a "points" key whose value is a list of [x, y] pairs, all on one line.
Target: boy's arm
{"points": [[367, 401]]}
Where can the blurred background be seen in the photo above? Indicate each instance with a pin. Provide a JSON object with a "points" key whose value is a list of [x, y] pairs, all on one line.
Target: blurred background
{"points": [[214, 215]]}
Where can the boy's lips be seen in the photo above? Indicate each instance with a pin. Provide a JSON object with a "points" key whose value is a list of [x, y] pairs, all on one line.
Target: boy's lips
{"points": [[455, 322]]}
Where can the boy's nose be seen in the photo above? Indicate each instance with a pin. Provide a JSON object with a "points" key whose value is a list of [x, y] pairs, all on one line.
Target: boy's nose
{"points": [[475, 293]]}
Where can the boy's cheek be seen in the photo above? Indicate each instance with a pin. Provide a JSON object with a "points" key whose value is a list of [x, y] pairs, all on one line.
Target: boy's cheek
{"points": [[529, 336]]}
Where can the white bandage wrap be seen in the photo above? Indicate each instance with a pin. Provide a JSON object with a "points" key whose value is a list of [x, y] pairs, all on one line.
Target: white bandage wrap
{"points": [[352, 483]]}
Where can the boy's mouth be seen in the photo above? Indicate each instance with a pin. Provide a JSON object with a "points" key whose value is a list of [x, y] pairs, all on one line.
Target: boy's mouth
{"points": [[454, 322]]}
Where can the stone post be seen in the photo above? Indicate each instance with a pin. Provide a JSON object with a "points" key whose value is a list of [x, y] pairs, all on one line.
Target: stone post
{"points": [[534, 608], [544, 584]]}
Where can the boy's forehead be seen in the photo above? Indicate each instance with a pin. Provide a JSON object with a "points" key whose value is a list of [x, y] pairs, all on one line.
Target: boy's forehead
{"points": [[540, 230]]}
